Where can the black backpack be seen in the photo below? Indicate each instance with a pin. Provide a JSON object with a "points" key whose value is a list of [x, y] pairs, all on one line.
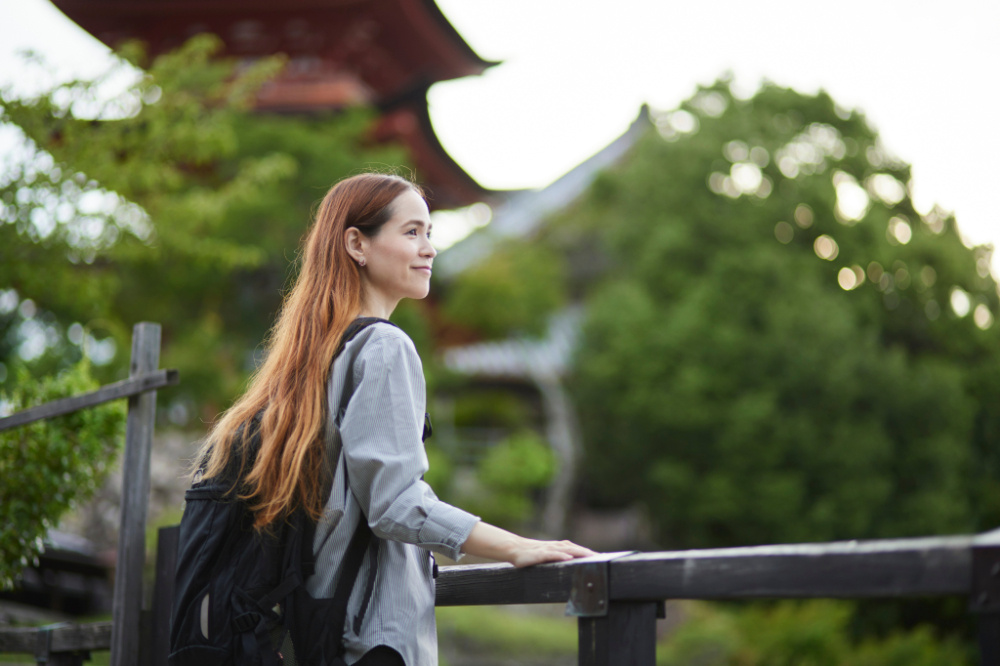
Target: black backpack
{"points": [[239, 597]]}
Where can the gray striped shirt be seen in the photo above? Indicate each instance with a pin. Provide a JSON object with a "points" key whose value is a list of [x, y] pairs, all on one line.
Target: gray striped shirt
{"points": [[376, 395]]}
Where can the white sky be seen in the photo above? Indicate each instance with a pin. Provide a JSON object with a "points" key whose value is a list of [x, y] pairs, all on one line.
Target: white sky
{"points": [[575, 72]]}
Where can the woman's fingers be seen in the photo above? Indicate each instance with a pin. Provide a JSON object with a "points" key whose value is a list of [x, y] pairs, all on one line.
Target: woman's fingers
{"points": [[538, 552]]}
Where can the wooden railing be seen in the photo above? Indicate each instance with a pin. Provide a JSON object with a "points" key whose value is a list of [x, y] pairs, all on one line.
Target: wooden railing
{"points": [[616, 597], [68, 644]]}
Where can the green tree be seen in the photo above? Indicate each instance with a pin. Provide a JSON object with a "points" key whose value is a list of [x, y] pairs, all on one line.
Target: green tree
{"points": [[512, 291], [172, 201], [783, 348], [52, 465], [797, 632]]}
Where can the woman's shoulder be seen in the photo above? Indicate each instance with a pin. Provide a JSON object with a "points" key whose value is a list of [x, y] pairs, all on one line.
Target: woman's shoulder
{"points": [[383, 337]]}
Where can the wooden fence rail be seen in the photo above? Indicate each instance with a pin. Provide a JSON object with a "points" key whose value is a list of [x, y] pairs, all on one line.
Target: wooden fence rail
{"points": [[124, 389], [67, 643], [616, 597]]}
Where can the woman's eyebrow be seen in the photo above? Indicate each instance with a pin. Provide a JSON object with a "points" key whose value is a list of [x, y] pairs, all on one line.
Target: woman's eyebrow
{"points": [[421, 223]]}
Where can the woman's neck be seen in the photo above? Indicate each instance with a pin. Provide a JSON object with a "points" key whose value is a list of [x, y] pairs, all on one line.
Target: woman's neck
{"points": [[375, 307]]}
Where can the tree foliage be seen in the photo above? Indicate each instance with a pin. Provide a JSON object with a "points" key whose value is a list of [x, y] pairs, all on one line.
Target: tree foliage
{"points": [[172, 202], [783, 347], [514, 290], [789, 633], [50, 466]]}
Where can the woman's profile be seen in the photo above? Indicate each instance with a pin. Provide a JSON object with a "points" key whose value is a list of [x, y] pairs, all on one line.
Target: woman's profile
{"points": [[341, 433]]}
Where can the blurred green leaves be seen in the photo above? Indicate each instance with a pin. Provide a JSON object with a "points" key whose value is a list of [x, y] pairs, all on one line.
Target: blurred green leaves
{"points": [[514, 290], [797, 633], [773, 353], [165, 198], [506, 480], [50, 466]]}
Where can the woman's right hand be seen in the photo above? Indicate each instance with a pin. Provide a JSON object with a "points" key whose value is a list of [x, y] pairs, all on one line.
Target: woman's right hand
{"points": [[490, 541]]}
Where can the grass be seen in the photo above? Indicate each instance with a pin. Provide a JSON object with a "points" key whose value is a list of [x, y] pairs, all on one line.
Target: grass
{"points": [[512, 631]]}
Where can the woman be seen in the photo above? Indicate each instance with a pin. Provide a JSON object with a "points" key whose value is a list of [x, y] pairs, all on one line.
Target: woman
{"points": [[360, 421]]}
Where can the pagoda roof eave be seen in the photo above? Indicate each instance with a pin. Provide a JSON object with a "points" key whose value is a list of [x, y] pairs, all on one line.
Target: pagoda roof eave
{"points": [[455, 39], [411, 34]]}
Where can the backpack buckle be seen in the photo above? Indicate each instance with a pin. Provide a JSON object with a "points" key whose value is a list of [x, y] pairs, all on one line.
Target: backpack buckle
{"points": [[246, 622]]}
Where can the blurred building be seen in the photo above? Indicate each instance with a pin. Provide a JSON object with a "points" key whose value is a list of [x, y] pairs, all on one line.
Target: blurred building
{"points": [[382, 53], [538, 367]]}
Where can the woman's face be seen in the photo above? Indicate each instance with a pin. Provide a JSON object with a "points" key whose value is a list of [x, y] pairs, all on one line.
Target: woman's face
{"points": [[398, 259]]}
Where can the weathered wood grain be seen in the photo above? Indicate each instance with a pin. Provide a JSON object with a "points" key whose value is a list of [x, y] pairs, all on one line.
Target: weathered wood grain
{"points": [[932, 566], [499, 584], [123, 389], [626, 636], [127, 603], [65, 638], [481, 584]]}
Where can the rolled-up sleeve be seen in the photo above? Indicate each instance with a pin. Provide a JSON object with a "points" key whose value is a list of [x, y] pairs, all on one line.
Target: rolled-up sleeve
{"points": [[380, 433]]}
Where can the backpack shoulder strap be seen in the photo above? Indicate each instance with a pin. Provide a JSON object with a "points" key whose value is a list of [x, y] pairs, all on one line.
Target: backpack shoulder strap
{"points": [[356, 327]]}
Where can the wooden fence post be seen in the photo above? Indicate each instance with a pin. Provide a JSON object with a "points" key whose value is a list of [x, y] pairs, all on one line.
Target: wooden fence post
{"points": [[127, 604], [612, 632], [984, 595], [626, 636]]}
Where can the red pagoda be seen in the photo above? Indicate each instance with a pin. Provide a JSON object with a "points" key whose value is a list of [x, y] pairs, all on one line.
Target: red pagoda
{"points": [[385, 53]]}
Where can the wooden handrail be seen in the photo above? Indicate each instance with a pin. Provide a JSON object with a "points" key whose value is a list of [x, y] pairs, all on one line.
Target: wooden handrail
{"points": [[65, 637], [884, 568]]}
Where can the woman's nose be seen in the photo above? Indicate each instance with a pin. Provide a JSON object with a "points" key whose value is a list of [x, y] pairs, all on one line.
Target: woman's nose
{"points": [[429, 250]]}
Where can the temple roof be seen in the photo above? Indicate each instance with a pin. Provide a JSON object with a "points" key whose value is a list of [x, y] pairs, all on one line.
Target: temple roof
{"points": [[519, 213], [385, 53], [522, 358], [381, 49]]}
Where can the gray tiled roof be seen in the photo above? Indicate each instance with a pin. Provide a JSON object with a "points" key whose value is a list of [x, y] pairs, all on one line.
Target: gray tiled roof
{"points": [[522, 357], [520, 212]]}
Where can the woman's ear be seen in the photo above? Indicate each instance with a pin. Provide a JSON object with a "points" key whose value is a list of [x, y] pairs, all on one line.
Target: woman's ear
{"points": [[356, 244]]}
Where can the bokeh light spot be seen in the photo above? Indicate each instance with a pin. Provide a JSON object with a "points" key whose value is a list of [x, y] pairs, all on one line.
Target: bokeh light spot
{"points": [[899, 230], [8, 300], [901, 277], [875, 271], [935, 219], [676, 123], [960, 302], [889, 190], [983, 267], [746, 176], [850, 277], [803, 216], [852, 200], [764, 191], [784, 232], [736, 151], [982, 316], [75, 333], [717, 182], [826, 248], [760, 156], [710, 103], [27, 309]]}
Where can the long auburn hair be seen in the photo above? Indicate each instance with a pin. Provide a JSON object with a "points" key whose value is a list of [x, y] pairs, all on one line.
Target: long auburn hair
{"points": [[289, 388]]}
